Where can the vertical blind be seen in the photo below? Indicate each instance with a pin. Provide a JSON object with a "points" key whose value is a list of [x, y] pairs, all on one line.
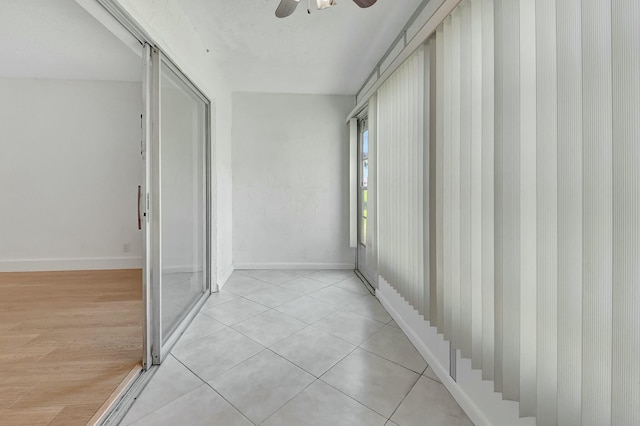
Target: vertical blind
{"points": [[508, 199], [400, 201]]}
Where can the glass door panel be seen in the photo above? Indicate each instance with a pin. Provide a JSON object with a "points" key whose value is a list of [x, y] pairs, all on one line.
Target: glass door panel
{"points": [[178, 196], [182, 186]]}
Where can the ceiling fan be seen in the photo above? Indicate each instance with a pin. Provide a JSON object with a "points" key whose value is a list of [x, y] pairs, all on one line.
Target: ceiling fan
{"points": [[287, 7]]}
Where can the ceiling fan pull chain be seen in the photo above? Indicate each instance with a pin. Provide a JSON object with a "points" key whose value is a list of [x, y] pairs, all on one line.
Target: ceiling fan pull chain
{"points": [[309, 8]]}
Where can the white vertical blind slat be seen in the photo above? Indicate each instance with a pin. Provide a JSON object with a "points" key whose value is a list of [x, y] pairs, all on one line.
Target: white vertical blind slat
{"points": [[390, 195], [498, 197], [397, 148], [510, 23], [413, 180], [426, 190], [399, 132], [421, 176], [465, 179], [411, 228], [547, 214], [416, 177], [528, 195], [476, 184], [569, 212], [431, 268], [625, 39], [383, 185], [421, 164], [392, 138], [439, 182], [455, 179], [488, 245], [403, 188], [447, 184], [384, 134], [598, 221], [411, 186]]}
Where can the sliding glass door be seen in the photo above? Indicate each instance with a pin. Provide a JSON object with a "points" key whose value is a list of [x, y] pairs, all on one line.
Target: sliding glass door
{"points": [[177, 163]]}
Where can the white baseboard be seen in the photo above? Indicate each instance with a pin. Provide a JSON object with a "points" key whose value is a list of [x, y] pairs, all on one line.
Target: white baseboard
{"points": [[224, 278], [294, 266], [86, 264], [476, 396]]}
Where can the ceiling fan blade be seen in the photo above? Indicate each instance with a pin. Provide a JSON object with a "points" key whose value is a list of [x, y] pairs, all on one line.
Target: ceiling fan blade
{"points": [[365, 3], [286, 8]]}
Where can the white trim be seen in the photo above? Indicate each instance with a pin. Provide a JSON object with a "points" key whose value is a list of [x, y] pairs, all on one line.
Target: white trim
{"points": [[223, 279], [295, 266], [86, 264], [475, 396]]}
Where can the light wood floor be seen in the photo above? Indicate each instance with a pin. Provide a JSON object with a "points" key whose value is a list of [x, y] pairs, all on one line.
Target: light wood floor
{"points": [[67, 340]]}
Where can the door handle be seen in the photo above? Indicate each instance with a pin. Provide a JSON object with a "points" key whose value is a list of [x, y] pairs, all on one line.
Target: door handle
{"points": [[139, 197]]}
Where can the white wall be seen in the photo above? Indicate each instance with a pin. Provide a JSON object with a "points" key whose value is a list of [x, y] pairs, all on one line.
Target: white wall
{"points": [[290, 181], [169, 26], [69, 169]]}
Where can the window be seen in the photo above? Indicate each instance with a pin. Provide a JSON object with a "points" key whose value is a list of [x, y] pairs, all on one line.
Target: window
{"points": [[364, 176]]}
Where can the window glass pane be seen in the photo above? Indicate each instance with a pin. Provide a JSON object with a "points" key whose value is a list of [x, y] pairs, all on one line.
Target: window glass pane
{"points": [[182, 189], [364, 178], [365, 158], [365, 193], [364, 231]]}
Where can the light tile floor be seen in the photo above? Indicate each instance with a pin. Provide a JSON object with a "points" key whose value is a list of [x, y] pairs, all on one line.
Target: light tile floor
{"points": [[293, 348]]}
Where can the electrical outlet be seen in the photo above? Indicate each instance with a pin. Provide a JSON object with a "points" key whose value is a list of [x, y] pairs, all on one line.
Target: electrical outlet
{"points": [[126, 247]]}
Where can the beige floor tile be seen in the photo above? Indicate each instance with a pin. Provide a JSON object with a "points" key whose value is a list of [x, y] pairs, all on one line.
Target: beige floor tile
{"points": [[429, 404]]}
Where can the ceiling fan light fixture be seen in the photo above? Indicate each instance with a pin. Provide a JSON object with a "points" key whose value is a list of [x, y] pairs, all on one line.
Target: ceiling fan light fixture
{"points": [[287, 7], [323, 4]]}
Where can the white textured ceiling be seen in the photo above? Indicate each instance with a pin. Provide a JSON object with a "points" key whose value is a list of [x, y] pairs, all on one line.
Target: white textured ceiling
{"points": [[58, 39], [328, 52]]}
